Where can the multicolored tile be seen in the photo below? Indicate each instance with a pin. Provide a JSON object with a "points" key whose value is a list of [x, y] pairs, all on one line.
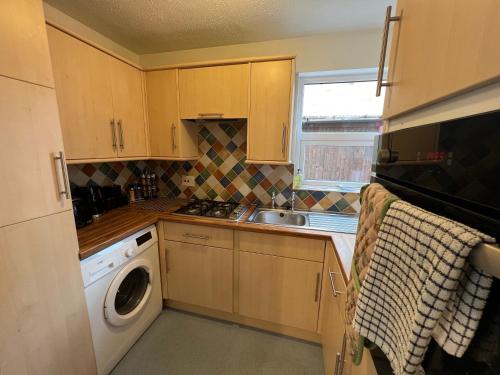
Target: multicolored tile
{"points": [[219, 174]]}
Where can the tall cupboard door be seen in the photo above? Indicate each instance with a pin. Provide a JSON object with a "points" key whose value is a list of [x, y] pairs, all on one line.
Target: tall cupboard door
{"points": [[32, 179], [43, 315], [82, 77], [128, 108], [169, 137], [24, 52], [269, 118], [279, 290], [214, 92]]}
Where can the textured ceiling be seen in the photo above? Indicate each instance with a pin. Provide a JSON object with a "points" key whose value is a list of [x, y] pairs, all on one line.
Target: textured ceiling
{"points": [[148, 26]]}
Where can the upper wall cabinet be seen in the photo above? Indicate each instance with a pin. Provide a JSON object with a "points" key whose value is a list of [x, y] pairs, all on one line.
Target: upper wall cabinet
{"points": [[440, 49], [214, 92], [170, 138], [101, 101], [270, 106], [23, 42], [128, 107]]}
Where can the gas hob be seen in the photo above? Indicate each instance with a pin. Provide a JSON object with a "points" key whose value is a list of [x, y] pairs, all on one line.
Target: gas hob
{"points": [[212, 209]]}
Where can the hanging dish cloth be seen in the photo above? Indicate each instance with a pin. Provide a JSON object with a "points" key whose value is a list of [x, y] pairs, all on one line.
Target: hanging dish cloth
{"points": [[375, 201], [420, 285]]}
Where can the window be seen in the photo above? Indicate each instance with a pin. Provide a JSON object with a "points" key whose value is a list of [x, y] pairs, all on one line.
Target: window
{"points": [[338, 116]]}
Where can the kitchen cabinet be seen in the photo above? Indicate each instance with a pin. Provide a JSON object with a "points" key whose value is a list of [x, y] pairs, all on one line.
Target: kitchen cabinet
{"points": [[214, 92], [101, 101], [440, 49], [127, 88], [170, 138], [31, 137], [270, 112], [200, 275], [23, 42], [279, 290], [43, 319], [333, 301]]}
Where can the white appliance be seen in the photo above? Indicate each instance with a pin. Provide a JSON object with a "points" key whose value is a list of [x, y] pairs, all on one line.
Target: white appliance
{"points": [[123, 292]]}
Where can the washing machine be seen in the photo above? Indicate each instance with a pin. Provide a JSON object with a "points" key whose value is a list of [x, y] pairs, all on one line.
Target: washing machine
{"points": [[123, 293]]}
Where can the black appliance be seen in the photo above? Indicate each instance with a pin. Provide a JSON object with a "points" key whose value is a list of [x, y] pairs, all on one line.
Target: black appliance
{"points": [[451, 168], [213, 209], [113, 197], [81, 212]]}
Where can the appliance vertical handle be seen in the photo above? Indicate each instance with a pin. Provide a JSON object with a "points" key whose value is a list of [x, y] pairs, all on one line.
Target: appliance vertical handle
{"points": [[316, 291], [383, 50], [113, 134], [120, 133], [283, 139], [59, 157], [174, 146]]}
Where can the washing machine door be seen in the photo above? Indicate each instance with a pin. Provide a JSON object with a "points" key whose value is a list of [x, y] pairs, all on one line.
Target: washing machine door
{"points": [[129, 292]]}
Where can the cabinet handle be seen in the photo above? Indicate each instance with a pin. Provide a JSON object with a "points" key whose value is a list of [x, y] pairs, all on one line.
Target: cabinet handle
{"points": [[342, 355], [337, 363], [62, 161], [283, 138], [113, 133], [332, 283], [199, 237], [174, 146], [120, 133], [208, 115], [380, 76], [316, 291]]}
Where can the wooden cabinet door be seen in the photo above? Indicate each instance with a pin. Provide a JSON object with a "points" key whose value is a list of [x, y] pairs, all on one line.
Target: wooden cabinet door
{"points": [[169, 137], [31, 135], [214, 92], [24, 52], [128, 108], [440, 49], [83, 85], [269, 118], [43, 318], [333, 300], [200, 275], [279, 290]]}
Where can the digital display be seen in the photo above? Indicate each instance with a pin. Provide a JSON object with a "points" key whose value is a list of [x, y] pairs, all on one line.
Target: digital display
{"points": [[145, 237], [436, 155]]}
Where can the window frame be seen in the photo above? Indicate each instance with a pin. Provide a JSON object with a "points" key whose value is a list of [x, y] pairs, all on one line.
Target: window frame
{"points": [[302, 139]]}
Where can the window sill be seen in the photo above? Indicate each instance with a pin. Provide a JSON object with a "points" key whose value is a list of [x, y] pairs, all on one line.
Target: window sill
{"points": [[338, 189]]}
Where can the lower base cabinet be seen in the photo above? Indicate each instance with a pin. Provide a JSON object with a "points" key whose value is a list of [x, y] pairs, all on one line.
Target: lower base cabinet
{"points": [[280, 290], [200, 275]]}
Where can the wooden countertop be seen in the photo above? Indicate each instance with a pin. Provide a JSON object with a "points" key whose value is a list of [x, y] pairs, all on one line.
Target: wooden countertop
{"points": [[122, 222]]}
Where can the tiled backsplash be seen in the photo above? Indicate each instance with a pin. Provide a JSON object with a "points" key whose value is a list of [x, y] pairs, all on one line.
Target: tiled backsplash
{"points": [[220, 173]]}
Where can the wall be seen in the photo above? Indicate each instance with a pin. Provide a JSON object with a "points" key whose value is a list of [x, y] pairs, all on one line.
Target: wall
{"points": [[346, 50], [66, 22], [220, 174]]}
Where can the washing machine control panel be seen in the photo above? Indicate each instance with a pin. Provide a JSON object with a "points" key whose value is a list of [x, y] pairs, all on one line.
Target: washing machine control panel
{"points": [[100, 264]]}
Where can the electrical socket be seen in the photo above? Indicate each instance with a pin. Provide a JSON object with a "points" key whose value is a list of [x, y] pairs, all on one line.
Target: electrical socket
{"points": [[187, 180]]}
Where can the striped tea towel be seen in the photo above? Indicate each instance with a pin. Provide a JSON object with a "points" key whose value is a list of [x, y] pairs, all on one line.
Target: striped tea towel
{"points": [[375, 201], [419, 285]]}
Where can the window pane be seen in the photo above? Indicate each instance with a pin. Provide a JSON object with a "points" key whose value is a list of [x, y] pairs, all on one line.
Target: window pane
{"points": [[337, 163], [341, 107]]}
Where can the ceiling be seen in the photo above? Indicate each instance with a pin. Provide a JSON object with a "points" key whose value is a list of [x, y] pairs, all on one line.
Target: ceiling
{"points": [[149, 26]]}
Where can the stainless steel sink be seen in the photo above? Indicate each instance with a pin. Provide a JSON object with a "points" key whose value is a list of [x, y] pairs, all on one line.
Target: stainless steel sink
{"points": [[279, 217], [332, 222]]}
